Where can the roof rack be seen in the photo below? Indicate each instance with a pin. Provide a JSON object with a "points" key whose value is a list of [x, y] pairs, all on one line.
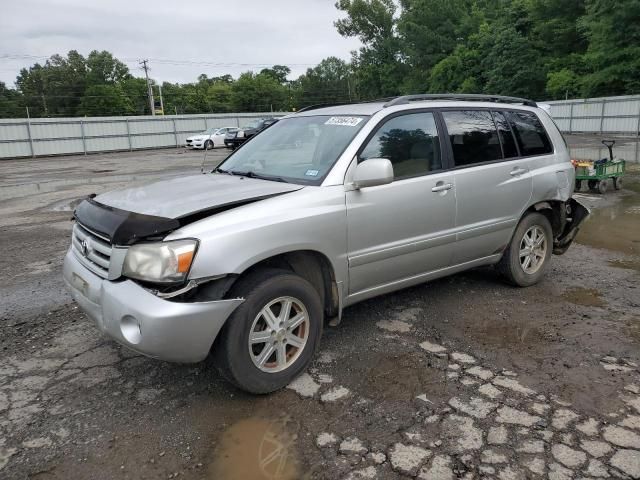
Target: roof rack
{"points": [[405, 99], [319, 105]]}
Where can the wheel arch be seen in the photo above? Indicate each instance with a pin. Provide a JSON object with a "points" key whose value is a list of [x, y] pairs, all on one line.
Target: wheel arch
{"points": [[554, 210], [313, 266]]}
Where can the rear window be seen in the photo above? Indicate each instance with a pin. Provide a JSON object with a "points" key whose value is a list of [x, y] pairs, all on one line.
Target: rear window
{"points": [[530, 134], [473, 136]]}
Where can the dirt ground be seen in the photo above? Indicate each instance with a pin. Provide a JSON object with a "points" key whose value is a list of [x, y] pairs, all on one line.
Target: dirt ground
{"points": [[463, 377]]}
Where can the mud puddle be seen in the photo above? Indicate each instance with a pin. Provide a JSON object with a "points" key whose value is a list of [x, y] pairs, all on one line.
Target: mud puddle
{"points": [[258, 449], [505, 332], [614, 227], [626, 264], [587, 297]]}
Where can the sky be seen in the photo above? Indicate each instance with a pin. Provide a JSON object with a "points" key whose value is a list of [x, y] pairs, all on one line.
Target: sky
{"points": [[181, 39]]}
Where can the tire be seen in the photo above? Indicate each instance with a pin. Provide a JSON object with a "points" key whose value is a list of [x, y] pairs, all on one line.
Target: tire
{"points": [[593, 185], [602, 186], [512, 266], [617, 183], [208, 145], [239, 362]]}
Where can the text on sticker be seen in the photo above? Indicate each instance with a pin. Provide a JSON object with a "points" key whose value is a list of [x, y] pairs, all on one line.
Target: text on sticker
{"points": [[344, 121]]}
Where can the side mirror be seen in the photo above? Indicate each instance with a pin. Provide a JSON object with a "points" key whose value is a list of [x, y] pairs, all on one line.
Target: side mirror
{"points": [[372, 172]]}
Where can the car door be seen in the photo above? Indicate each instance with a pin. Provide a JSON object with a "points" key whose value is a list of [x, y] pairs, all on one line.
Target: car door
{"points": [[399, 231], [218, 137], [492, 182]]}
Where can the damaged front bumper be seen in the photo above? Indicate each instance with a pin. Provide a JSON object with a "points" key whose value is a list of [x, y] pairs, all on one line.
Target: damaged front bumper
{"points": [[575, 214], [134, 317]]}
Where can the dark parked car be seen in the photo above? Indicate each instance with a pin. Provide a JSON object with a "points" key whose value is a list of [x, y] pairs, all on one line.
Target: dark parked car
{"points": [[235, 139]]}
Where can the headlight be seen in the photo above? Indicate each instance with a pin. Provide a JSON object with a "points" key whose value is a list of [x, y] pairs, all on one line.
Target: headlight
{"points": [[163, 262], [240, 134]]}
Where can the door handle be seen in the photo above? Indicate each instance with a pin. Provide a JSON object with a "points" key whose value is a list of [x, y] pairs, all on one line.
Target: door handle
{"points": [[442, 187], [516, 172]]}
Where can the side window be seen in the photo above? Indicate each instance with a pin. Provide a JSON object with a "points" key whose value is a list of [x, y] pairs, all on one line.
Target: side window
{"points": [[473, 137], [506, 137], [531, 135], [410, 142]]}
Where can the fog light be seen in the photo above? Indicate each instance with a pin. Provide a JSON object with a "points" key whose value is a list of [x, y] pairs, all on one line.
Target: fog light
{"points": [[130, 328]]}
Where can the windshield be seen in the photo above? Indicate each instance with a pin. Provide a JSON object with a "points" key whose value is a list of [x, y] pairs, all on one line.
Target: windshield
{"points": [[296, 150], [209, 131]]}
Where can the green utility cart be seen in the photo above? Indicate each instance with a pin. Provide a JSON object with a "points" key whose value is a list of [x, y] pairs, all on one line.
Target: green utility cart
{"points": [[597, 173]]}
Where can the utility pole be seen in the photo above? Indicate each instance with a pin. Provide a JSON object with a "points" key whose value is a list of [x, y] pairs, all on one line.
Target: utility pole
{"points": [[161, 101], [149, 89]]}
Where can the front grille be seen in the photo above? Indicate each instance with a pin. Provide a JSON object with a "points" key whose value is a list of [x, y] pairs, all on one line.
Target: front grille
{"points": [[93, 250]]}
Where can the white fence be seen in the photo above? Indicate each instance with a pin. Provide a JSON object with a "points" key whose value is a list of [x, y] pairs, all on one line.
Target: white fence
{"points": [[59, 136], [620, 115], [64, 136]]}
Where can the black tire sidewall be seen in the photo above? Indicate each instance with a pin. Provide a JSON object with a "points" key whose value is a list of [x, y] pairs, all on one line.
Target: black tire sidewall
{"points": [[518, 275], [208, 145], [238, 364]]}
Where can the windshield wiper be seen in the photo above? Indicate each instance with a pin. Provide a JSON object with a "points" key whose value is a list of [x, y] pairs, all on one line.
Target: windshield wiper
{"points": [[220, 170], [252, 174]]}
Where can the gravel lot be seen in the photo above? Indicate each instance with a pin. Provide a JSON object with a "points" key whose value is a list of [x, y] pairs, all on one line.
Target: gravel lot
{"points": [[464, 377]]}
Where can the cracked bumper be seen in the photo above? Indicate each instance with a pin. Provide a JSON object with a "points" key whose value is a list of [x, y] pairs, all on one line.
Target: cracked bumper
{"points": [[172, 331]]}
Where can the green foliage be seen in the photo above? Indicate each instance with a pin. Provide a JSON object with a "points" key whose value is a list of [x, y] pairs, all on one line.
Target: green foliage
{"points": [[258, 93], [329, 81], [533, 48], [613, 56]]}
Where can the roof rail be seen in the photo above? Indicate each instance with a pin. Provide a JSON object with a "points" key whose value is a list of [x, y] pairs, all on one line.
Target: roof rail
{"points": [[405, 99], [319, 105]]}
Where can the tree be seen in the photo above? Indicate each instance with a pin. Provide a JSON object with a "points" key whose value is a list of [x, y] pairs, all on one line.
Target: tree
{"points": [[613, 56], [103, 68], [327, 82], [377, 65], [258, 93], [278, 72], [509, 63], [105, 100], [11, 103], [430, 31]]}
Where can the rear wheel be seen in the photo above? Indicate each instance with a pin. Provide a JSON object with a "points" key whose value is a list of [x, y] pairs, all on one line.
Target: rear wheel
{"points": [[617, 183], [271, 337], [578, 185], [526, 258], [602, 186]]}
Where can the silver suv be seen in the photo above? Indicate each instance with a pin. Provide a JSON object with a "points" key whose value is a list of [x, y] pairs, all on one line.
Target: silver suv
{"points": [[328, 207]]}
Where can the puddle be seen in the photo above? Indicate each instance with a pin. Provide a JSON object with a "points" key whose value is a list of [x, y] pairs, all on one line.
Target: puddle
{"points": [[626, 264], [588, 297], [257, 449], [615, 227], [504, 332]]}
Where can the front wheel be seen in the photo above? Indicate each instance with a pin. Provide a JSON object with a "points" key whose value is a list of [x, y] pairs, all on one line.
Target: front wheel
{"points": [[271, 337], [208, 145], [525, 260]]}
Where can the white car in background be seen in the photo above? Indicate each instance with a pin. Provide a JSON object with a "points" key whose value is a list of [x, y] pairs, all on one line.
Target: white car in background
{"points": [[210, 138]]}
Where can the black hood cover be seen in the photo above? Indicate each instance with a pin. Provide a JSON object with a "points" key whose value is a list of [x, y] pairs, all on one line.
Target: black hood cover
{"points": [[120, 226]]}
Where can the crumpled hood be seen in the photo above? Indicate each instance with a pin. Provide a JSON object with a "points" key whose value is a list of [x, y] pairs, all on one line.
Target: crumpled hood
{"points": [[183, 196]]}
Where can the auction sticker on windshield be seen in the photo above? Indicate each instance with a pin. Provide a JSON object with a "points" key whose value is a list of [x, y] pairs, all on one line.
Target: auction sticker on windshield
{"points": [[344, 121]]}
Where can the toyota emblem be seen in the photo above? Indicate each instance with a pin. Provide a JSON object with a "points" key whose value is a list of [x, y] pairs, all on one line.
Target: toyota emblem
{"points": [[84, 247]]}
